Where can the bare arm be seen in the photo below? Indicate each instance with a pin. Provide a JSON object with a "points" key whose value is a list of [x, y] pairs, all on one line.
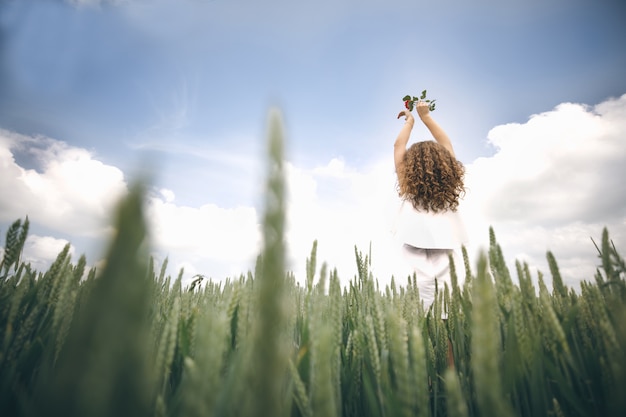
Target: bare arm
{"points": [[399, 147], [438, 133]]}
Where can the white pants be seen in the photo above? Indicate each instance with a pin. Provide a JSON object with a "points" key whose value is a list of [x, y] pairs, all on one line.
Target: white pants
{"points": [[428, 265]]}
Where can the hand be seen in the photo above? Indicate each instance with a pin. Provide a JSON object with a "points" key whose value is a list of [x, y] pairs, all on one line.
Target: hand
{"points": [[408, 117], [423, 109]]}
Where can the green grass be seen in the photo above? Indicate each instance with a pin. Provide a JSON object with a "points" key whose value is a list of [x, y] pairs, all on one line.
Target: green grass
{"points": [[131, 341]]}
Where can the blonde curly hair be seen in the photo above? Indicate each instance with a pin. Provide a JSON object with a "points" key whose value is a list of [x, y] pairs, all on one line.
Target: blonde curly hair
{"points": [[431, 178]]}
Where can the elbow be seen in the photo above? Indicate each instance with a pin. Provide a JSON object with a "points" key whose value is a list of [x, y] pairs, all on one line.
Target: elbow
{"points": [[399, 144]]}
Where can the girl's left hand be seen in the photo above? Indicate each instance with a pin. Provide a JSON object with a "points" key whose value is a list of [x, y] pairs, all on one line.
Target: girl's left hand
{"points": [[422, 108]]}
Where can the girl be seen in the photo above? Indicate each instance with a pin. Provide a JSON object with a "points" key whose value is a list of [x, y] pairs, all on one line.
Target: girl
{"points": [[430, 182]]}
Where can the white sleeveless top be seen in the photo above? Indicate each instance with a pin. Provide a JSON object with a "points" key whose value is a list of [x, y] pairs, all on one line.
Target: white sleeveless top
{"points": [[428, 230]]}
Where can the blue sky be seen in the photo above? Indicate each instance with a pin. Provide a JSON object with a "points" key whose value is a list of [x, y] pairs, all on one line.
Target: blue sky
{"points": [[90, 89]]}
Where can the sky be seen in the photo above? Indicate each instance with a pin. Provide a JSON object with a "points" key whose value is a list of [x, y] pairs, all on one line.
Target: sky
{"points": [[95, 93]]}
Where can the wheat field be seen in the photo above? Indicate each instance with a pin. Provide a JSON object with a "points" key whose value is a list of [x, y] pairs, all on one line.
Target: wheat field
{"points": [[128, 340]]}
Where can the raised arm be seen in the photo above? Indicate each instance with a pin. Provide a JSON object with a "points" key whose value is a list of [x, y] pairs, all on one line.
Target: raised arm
{"points": [[399, 147], [438, 133]]}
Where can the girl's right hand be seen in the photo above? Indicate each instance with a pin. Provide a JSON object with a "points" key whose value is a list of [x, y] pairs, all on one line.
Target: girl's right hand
{"points": [[407, 115]]}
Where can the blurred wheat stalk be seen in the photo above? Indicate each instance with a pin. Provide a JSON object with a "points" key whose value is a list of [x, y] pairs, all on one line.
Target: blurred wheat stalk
{"points": [[131, 341]]}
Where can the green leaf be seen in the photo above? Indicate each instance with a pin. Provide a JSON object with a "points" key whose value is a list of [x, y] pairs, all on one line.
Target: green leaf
{"points": [[423, 95], [405, 98]]}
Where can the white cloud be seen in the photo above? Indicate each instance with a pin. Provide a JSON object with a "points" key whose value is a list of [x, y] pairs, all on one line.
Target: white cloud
{"points": [[554, 183], [340, 207], [209, 240], [70, 191], [334, 204], [337, 205], [41, 251]]}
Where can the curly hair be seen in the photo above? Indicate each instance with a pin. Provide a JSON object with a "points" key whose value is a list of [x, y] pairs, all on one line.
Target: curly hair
{"points": [[431, 177]]}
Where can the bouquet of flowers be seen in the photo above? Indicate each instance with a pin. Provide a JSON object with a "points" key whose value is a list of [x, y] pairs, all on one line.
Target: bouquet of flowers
{"points": [[409, 102]]}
